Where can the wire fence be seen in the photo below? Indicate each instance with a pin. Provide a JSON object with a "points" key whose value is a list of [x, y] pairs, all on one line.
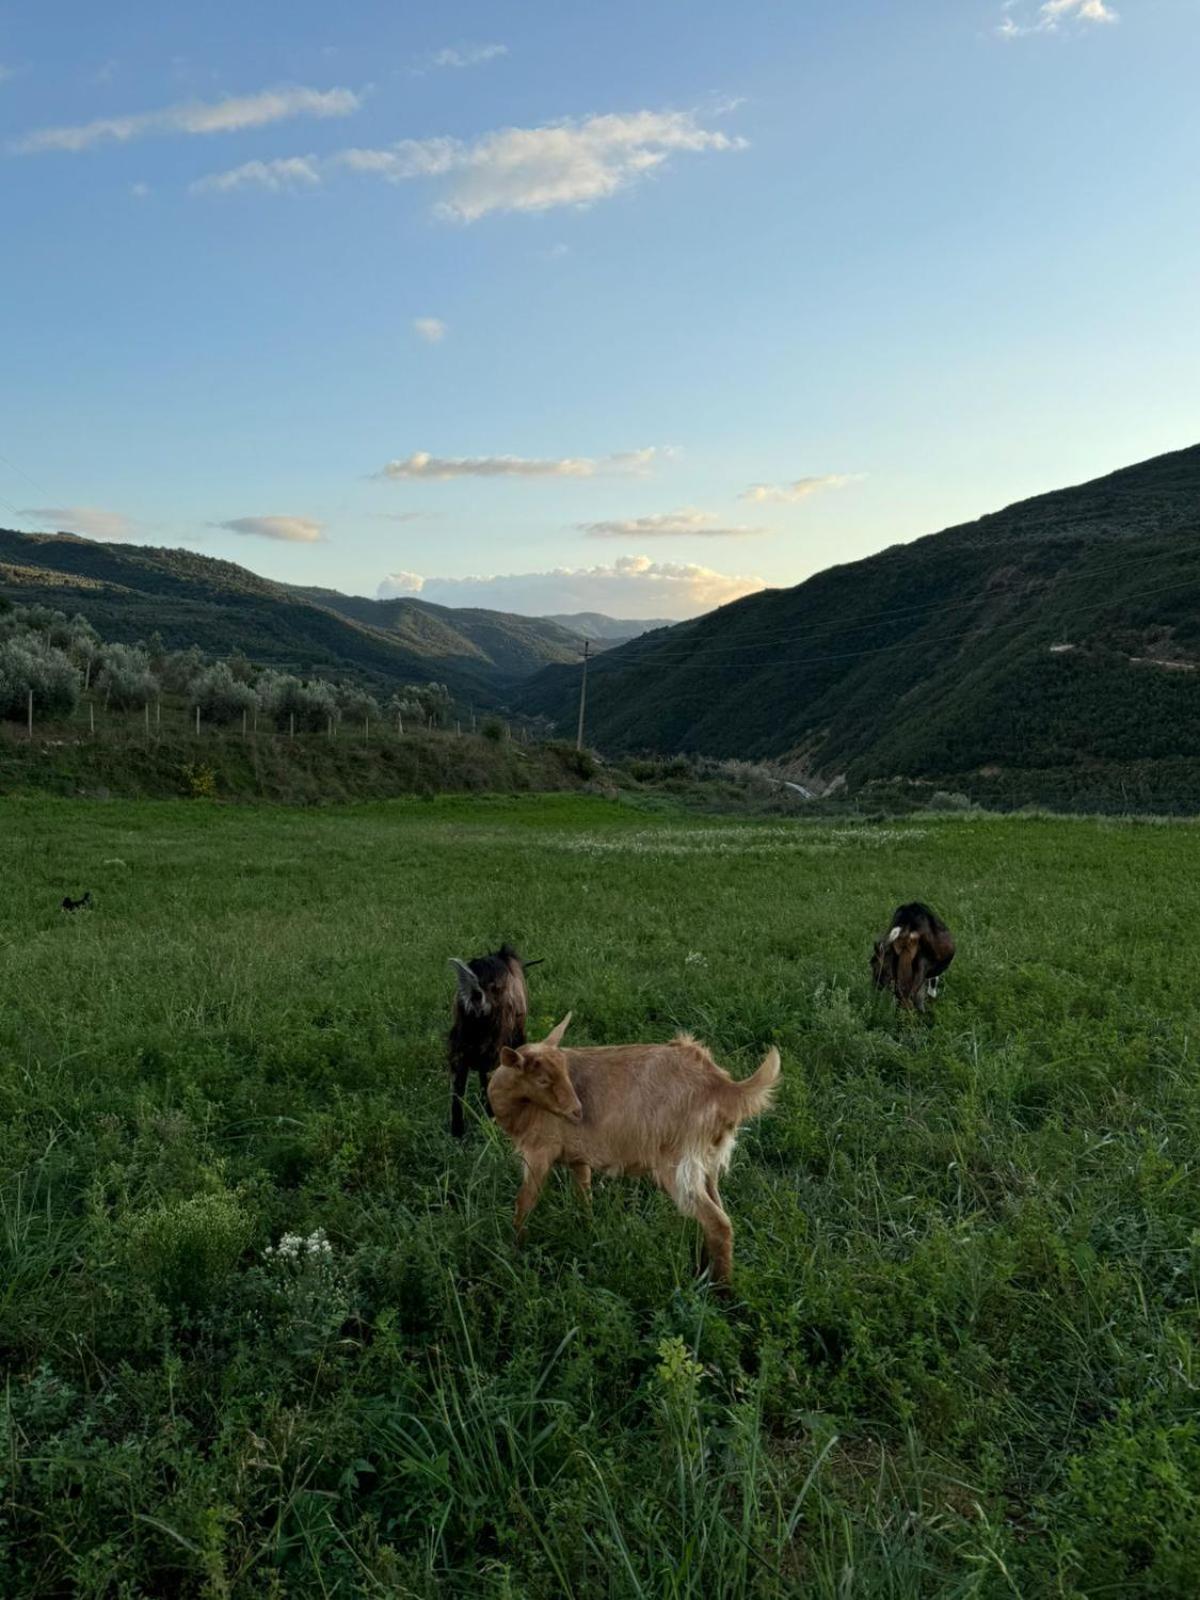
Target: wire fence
{"points": [[173, 718]]}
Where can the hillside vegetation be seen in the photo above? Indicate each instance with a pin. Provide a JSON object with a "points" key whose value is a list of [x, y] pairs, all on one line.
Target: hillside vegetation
{"points": [[1060, 635], [263, 1326], [130, 592]]}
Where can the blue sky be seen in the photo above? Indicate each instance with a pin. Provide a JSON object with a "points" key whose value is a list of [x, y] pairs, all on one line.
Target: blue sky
{"points": [[629, 307]]}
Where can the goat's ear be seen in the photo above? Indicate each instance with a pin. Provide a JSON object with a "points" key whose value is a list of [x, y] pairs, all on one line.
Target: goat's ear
{"points": [[554, 1037], [893, 936], [468, 983], [510, 1057]]}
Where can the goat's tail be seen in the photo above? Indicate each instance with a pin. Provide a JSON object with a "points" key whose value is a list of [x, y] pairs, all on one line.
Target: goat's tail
{"points": [[756, 1093]]}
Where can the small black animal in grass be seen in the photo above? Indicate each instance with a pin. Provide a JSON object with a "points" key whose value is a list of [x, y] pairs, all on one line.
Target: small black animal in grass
{"points": [[912, 956], [84, 903], [490, 1009]]}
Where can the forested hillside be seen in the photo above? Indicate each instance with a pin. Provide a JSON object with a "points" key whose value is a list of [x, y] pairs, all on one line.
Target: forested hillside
{"points": [[1063, 632]]}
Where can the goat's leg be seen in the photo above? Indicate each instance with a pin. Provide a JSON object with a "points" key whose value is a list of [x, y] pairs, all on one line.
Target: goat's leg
{"points": [[527, 1195], [458, 1088], [718, 1235], [583, 1182], [484, 1075]]}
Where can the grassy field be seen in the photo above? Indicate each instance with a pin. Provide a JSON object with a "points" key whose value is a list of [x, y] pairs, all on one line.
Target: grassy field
{"points": [[264, 1327]]}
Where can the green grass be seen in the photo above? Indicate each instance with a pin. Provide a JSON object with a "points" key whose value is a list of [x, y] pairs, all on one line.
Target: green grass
{"points": [[960, 1354]]}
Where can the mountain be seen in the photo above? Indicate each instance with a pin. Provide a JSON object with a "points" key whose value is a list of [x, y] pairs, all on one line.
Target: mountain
{"points": [[511, 645], [129, 592], [1060, 634], [606, 632]]}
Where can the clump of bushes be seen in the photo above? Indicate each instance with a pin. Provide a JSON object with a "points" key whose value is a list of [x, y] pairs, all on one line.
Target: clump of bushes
{"points": [[28, 662], [222, 698], [124, 677]]}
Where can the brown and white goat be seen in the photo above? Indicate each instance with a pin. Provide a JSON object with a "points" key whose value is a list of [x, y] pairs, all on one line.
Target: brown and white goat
{"points": [[490, 1008], [664, 1111], [911, 958]]}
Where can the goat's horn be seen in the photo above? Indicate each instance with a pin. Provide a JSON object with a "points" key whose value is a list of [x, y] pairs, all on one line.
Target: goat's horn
{"points": [[554, 1037], [465, 975]]}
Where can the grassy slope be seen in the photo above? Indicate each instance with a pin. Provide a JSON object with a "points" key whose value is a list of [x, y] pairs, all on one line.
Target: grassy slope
{"points": [[960, 1355], [933, 658]]}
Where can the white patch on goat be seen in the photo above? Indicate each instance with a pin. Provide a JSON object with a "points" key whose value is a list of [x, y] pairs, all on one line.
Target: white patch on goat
{"points": [[689, 1182]]}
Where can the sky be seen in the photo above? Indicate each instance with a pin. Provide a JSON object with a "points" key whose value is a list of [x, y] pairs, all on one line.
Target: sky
{"points": [[634, 307]]}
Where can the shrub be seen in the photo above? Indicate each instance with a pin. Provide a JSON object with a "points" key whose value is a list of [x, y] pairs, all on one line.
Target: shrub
{"points": [[283, 697], [125, 677], [200, 781], [186, 1249], [222, 698], [492, 728], [28, 662]]}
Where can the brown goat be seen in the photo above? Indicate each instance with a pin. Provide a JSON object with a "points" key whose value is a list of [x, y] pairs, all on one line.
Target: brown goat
{"points": [[665, 1111], [490, 1008], [912, 956]]}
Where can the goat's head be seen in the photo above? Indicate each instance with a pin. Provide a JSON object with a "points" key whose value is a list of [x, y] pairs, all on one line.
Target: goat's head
{"points": [[893, 962], [484, 983], [544, 1076]]}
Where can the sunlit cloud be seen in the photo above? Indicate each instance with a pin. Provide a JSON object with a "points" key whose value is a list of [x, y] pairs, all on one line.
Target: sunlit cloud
{"points": [[1052, 16], [431, 468], [799, 489], [230, 115], [632, 586], [90, 521], [431, 329], [569, 163], [291, 530], [668, 525]]}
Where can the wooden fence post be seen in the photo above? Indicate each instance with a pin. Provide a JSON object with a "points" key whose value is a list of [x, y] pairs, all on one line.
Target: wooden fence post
{"points": [[31, 713], [197, 722], [92, 718], [292, 725]]}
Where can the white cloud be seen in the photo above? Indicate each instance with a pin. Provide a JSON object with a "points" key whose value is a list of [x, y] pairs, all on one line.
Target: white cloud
{"points": [[1051, 16], [468, 55], [230, 115], [139, 191], [571, 163], [292, 530], [90, 521], [289, 172], [633, 586], [441, 468], [668, 524], [799, 489], [431, 329]]}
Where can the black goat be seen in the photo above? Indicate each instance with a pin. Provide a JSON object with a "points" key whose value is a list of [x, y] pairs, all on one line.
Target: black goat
{"points": [[911, 958], [489, 1013], [83, 904]]}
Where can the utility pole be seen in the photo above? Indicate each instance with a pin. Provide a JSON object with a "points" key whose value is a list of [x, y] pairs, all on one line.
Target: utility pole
{"points": [[583, 693]]}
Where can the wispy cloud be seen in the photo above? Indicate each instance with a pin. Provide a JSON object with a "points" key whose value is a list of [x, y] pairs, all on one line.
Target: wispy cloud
{"points": [[291, 530], [668, 525], [90, 521], [799, 489], [6, 73], [470, 55], [633, 586], [1052, 16], [289, 172], [139, 191], [431, 329], [571, 163], [230, 115], [441, 468]]}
